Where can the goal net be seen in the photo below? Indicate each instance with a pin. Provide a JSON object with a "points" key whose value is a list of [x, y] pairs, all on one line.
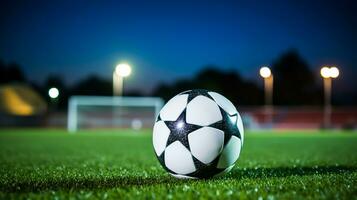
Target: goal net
{"points": [[88, 112]]}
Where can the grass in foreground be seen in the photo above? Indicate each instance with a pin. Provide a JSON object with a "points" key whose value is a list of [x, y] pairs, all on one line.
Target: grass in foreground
{"points": [[52, 164]]}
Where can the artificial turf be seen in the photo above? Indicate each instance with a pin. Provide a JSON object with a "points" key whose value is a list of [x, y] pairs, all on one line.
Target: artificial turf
{"points": [[121, 164]]}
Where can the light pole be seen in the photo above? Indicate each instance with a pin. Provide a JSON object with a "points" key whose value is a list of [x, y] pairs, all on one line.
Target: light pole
{"points": [[265, 72], [121, 71], [328, 73]]}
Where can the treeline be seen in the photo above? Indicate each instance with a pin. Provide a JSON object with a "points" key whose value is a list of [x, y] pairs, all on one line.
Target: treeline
{"points": [[294, 84]]}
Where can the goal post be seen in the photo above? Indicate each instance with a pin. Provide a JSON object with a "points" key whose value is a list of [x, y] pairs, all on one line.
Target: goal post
{"points": [[107, 111]]}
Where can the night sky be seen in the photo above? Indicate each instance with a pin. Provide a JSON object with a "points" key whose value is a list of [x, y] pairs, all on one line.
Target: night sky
{"points": [[164, 41]]}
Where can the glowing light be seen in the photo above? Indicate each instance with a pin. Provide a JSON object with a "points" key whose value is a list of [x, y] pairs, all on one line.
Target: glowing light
{"points": [[325, 72], [179, 125], [53, 93], [265, 72], [329, 72], [334, 72], [123, 70]]}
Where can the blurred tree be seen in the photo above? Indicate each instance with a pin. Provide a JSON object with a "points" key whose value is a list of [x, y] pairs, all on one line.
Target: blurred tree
{"points": [[11, 73], [294, 82], [168, 91], [2, 71], [227, 83], [93, 85]]}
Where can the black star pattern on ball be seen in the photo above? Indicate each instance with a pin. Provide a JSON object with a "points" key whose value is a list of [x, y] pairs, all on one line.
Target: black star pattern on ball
{"points": [[228, 125], [205, 170], [198, 92], [158, 118], [180, 129]]}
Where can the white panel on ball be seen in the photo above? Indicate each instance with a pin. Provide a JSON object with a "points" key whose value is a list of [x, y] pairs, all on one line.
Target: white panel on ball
{"points": [[206, 143], [202, 111], [224, 103], [178, 159], [160, 135], [174, 107], [230, 153], [240, 128]]}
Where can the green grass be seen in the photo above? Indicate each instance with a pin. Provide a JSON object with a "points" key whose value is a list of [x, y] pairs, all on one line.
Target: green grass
{"points": [[51, 164]]}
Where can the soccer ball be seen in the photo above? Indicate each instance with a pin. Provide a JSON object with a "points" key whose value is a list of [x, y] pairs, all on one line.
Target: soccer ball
{"points": [[198, 134]]}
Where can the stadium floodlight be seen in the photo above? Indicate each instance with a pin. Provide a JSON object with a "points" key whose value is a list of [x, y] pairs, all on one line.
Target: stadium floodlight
{"points": [[265, 72], [334, 72], [53, 93], [328, 73], [325, 72], [121, 71], [112, 112]]}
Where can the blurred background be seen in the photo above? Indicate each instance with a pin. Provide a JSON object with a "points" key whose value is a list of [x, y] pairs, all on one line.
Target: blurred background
{"points": [[74, 64]]}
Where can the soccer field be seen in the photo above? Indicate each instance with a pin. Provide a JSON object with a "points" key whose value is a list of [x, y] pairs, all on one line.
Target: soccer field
{"points": [[51, 164]]}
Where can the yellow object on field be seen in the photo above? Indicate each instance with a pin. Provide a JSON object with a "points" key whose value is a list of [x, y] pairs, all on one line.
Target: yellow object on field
{"points": [[21, 100]]}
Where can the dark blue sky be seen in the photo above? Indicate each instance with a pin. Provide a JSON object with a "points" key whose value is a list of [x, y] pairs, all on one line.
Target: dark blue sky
{"points": [[165, 40]]}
